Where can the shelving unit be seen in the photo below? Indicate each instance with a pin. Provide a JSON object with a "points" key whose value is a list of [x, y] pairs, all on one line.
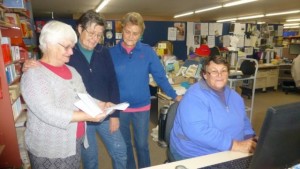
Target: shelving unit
{"points": [[10, 156], [13, 112]]}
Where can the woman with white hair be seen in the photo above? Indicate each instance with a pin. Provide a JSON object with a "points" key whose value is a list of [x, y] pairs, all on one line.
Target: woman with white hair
{"points": [[55, 127]]}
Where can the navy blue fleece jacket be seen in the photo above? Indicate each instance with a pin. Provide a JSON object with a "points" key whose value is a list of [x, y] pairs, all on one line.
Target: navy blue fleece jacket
{"points": [[99, 77]]}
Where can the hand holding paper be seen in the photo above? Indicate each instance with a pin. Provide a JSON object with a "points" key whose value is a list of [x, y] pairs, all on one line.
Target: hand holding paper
{"points": [[121, 106], [89, 105]]}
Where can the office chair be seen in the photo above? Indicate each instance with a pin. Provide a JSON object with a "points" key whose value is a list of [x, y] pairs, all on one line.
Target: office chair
{"points": [[215, 51], [248, 67], [169, 125], [288, 85]]}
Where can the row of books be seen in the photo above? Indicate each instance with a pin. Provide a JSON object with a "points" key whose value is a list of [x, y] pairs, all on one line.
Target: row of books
{"points": [[12, 72], [14, 92], [17, 108], [12, 53]]}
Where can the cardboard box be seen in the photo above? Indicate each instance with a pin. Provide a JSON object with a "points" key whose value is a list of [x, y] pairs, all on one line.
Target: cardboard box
{"points": [[13, 19], [165, 47]]}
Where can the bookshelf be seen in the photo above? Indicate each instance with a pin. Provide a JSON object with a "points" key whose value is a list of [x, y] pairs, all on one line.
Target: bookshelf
{"points": [[13, 52]]}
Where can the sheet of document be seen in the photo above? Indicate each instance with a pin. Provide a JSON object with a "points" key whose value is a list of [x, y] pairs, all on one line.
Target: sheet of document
{"points": [[90, 106], [121, 106]]}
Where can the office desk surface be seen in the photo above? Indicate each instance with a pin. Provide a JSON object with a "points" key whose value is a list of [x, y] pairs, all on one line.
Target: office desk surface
{"points": [[203, 161]]}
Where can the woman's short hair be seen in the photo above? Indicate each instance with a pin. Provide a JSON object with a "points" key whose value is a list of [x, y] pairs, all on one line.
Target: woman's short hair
{"points": [[135, 19], [56, 32], [217, 60], [90, 17]]}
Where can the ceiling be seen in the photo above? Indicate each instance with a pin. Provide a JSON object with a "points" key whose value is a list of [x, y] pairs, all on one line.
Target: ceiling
{"points": [[166, 9]]}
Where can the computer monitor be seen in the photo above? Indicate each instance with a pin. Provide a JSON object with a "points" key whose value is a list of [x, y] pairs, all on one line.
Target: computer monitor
{"points": [[294, 49], [279, 142]]}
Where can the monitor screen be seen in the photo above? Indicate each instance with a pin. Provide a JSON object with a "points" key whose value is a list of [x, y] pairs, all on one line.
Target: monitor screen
{"points": [[294, 49], [279, 142]]}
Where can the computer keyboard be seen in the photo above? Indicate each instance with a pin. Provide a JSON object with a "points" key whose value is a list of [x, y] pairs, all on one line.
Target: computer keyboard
{"points": [[241, 163]]}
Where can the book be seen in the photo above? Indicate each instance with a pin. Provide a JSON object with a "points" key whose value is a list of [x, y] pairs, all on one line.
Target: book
{"points": [[89, 105]]}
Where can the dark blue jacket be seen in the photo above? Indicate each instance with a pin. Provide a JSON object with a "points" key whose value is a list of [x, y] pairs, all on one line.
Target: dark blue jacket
{"points": [[99, 77]]}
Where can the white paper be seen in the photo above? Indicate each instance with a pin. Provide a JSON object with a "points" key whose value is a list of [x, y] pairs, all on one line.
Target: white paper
{"points": [[215, 29], [121, 106], [280, 31], [226, 40], [89, 106], [189, 34], [211, 41], [172, 31], [204, 29]]}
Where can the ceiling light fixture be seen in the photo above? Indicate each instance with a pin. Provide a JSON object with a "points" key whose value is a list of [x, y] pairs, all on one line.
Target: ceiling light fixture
{"points": [[208, 9], [291, 24], [251, 17], [184, 14], [292, 20], [290, 27], [102, 5], [283, 13], [227, 20], [238, 3], [261, 23]]}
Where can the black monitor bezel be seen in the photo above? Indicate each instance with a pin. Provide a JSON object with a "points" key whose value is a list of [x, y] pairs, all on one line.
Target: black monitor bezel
{"points": [[279, 142]]}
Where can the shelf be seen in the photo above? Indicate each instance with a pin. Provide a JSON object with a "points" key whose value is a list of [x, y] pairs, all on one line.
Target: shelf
{"points": [[15, 61], [14, 100], [17, 79], [22, 115], [13, 113]]}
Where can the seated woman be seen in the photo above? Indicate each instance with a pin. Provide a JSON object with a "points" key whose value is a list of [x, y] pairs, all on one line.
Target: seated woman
{"points": [[211, 117]]}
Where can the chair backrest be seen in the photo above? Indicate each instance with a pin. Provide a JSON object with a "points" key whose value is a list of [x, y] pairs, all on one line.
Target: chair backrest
{"points": [[214, 51], [170, 120]]}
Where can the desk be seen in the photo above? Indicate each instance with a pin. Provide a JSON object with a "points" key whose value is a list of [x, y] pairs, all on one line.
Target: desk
{"points": [[203, 161], [267, 76]]}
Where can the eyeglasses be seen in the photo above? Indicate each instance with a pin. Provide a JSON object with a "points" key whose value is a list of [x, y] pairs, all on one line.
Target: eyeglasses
{"points": [[216, 73], [66, 47], [93, 34]]}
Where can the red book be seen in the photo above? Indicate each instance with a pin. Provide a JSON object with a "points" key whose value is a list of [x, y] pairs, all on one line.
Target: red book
{"points": [[5, 45]]}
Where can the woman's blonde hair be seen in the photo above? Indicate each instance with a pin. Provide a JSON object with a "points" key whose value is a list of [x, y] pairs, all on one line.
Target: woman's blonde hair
{"points": [[135, 19]]}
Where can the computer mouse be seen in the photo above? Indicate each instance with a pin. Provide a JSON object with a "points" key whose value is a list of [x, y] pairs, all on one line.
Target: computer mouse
{"points": [[180, 167]]}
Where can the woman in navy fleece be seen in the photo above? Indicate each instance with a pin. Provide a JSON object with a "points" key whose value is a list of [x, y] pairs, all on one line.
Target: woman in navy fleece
{"points": [[134, 61], [211, 117]]}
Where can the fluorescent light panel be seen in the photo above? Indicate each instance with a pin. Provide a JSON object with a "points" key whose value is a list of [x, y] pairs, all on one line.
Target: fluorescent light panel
{"points": [[292, 20], [291, 24], [261, 23], [283, 13], [184, 14], [289, 27], [208, 9], [251, 17], [227, 20], [102, 5], [238, 3]]}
